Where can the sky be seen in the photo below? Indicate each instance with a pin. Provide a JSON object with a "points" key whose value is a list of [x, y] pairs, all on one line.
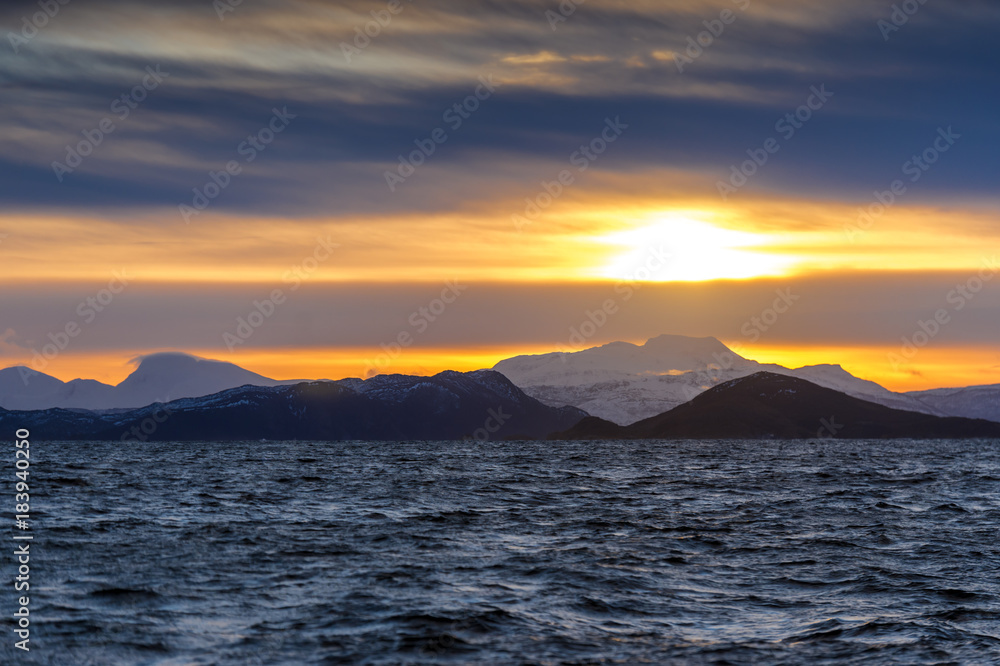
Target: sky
{"points": [[330, 189]]}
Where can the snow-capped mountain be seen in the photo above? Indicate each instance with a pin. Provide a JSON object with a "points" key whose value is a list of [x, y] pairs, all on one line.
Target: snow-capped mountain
{"points": [[158, 378], [620, 382], [623, 383], [974, 402], [665, 355]]}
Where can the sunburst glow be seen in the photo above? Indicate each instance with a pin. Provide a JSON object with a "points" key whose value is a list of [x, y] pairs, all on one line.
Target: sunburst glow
{"points": [[681, 248]]}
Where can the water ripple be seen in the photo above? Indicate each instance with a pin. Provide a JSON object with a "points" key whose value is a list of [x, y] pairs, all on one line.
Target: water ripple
{"points": [[513, 553]]}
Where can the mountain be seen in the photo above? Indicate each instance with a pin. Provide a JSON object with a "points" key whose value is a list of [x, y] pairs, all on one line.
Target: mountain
{"points": [[622, 382], [450, 405], [974, 402], [836, 378], [158, 378], [659, 356], [766, 405], [24, 388], [171, 376]]}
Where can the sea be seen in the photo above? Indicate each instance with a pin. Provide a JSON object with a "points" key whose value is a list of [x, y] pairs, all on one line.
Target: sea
{"points": [[604, 552]]}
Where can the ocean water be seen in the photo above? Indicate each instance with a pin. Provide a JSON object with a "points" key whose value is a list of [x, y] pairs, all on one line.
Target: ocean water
{"points": [[827, 552]]}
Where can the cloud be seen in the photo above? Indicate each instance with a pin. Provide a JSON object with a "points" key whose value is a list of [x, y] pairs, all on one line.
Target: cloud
{"points": [[356, 117], [9, 345], [542, 57]]}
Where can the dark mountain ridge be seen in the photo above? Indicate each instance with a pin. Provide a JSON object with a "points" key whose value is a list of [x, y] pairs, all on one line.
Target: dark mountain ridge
{"points": [[766, 405], [486, 405], [451, 405]]}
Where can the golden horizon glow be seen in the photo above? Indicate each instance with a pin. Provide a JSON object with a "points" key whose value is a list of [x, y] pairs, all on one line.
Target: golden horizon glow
{"points": [[601, 233], [932, 367], [304, 363]]}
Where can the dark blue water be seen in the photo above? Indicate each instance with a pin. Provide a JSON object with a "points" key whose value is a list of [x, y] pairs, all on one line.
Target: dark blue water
{"points": [[513, 553]]}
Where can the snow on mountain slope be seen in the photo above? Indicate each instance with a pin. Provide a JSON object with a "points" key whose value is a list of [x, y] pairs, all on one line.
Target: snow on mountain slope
{"points": [[623, 382], [976, 402], [663, 355], [158, 378], [835, 377]]}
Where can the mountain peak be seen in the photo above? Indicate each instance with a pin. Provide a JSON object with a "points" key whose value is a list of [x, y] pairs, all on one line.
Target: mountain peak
{"points": [[158, 377], [20, 371], [826, 366], [171, 375], [768, 405], [24, 379], [622, 381], [685, 341], [165, 360]]}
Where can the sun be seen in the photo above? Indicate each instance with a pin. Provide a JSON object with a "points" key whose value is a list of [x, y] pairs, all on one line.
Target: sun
{"points": [[681, 248]]}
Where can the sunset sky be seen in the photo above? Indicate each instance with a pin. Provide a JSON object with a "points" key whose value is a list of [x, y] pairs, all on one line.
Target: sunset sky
{"points": [[479, 178]]}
